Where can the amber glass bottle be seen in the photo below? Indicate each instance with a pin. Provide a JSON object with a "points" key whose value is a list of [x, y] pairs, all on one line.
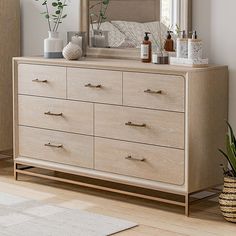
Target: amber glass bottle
{"points": [[146, 49], [169, 43]]}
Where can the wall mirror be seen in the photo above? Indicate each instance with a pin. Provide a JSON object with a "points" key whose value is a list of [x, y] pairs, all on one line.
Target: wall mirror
{"points": [[115, 28]]}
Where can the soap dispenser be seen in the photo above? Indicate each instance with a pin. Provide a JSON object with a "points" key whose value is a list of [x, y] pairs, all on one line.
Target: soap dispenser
{"points": [[169, 43], [182, 46], [194, 47], [146, 49]]}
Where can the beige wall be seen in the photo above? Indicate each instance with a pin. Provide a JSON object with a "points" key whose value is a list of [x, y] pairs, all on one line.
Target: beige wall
{"points": [[215, 21], [132, 10]]}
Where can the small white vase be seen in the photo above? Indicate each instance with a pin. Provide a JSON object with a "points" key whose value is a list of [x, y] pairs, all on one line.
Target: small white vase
{"points": [[53, 46], [72, 51]]}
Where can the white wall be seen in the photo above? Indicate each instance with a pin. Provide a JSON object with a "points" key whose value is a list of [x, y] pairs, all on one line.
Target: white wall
{"points": [[215, 21], [35, 28]]}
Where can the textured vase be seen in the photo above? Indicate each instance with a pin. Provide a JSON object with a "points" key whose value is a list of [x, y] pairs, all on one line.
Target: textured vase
{"points": [[53, 46], [227, 199], [72, 52]]}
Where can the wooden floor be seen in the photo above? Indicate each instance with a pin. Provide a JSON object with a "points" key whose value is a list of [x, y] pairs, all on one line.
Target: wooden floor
{"points": [[154, 218]]}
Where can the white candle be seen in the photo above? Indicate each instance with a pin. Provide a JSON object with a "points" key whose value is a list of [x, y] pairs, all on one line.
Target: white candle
{"points": [[77, 40]]}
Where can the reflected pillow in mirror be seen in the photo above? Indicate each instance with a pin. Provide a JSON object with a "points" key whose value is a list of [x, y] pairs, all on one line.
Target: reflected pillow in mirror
{"points": [[134, 31], [116, 39]]}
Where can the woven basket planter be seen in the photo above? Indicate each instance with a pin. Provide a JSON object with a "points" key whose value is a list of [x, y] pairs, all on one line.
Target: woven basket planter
{"points": [[227, 199]]}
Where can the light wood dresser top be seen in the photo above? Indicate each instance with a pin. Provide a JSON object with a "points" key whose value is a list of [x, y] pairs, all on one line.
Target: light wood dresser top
{"points": [[118, 65]]}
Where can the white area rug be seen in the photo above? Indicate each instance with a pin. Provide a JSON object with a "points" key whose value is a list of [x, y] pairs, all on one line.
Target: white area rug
{"points": [[24, 217]]}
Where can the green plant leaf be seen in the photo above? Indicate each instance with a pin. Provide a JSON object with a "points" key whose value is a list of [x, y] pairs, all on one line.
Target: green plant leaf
{"points": [[54, 4], [232, 136], [233, 148], [105, 2], [231, 154], [225, 155]]}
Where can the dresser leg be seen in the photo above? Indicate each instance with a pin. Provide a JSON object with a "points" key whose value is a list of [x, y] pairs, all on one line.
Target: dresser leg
{"points": [[15, 172], [187, 204]]}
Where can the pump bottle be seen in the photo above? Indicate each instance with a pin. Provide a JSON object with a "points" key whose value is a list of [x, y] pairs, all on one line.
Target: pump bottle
{"points": [[146, 49]]}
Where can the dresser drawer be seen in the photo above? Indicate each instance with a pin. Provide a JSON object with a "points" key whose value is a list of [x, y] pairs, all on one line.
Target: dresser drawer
{"points": [[155, 91], [64, 115], [48, 81], [71, 149], [139, 160], [140, 125], [95, 85]]}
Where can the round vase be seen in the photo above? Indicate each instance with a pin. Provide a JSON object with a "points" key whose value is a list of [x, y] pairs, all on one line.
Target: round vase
{"points": [[227, 199], [72, 51], [53, 46]]}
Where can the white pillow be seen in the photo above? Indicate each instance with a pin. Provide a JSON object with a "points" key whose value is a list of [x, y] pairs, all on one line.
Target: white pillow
{"points": [[115, 37], [134, 31]]}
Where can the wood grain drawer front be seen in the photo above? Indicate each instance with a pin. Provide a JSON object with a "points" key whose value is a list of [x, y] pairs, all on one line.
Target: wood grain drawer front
{"points": [[140, 125], [139, 160], [164, 92], [56, 114], [59, 147], [48, 81], [95, 85]]}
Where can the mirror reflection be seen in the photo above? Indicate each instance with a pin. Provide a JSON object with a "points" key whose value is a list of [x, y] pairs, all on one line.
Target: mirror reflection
{"points": [[123, 23]]}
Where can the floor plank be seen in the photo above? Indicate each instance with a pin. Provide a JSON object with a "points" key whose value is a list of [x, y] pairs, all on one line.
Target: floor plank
{"points": [[154, 218]]}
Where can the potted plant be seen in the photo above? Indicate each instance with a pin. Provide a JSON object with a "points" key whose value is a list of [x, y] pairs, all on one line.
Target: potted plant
{"points": [[228, 197], [97, 15], [54, 14]]}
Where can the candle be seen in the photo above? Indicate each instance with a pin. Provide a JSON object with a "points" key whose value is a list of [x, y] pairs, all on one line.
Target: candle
{"points": [[77, 40]]}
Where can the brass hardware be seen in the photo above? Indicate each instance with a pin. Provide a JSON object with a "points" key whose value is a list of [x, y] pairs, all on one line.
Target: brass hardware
{"points": [[53, 145], [52, 114], [93, 86], [135, 125], [135, 159], [153, 92], [39, 81]]}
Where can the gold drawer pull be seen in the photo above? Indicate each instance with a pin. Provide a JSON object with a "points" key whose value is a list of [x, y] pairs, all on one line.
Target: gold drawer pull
{"points": [[53, 145], [153, 92], [93, 86], [135, 125], [135, 159], [52, 114], [39, 81]]}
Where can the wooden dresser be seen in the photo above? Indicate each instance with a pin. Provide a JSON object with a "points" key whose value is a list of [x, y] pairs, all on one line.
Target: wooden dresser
{"points": [[142, 126]]}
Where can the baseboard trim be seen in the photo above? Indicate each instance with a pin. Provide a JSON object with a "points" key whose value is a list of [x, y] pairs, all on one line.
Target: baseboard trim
{"points": [[4, 154]]}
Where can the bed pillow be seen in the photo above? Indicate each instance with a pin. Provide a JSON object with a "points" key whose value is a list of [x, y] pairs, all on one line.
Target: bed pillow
{"points": [[134, 31]]}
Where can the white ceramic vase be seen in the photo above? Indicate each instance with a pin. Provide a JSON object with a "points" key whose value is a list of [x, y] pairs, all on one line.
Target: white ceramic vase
{"points": [[72, 51], [53, 46]]}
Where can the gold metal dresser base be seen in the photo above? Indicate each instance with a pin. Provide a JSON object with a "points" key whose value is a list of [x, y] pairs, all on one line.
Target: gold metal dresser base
{"points": [[182, 200]]}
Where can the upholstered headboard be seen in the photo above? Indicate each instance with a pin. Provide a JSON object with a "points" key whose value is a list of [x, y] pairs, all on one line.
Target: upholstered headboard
{"points": [[132, 10]]}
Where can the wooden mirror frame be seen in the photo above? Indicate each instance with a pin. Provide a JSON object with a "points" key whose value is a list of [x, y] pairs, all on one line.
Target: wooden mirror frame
{"points": [[128, 53]]}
